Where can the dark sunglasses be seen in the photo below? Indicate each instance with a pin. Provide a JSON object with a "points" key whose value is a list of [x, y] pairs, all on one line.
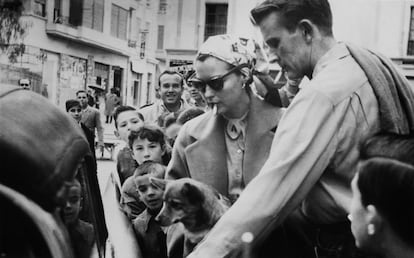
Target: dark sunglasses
{"points": [[216, 82]]}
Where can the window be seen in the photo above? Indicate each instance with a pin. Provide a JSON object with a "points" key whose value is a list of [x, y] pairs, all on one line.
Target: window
{"points": [[160, 41], [216, 20], [119, 18], [163, 7], [149, 88], [39, 7], [92, 15], [410, 48]]}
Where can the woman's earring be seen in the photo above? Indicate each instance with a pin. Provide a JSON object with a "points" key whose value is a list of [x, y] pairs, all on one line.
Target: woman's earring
{"points": [[371, 229]]}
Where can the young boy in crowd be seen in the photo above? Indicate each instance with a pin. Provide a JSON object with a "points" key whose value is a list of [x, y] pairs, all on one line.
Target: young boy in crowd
{"points": [[127, 119], [74, 109], [147, 144], [151, 237], [80, 232]]}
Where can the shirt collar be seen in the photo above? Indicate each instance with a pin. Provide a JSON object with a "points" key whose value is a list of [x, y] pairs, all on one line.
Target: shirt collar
{"points": [[336, 52], [236, 126], [165, 109]]}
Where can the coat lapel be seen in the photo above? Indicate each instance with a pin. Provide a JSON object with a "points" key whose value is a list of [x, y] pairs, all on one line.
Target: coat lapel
{"points": [[207, 156], [262, 122]]}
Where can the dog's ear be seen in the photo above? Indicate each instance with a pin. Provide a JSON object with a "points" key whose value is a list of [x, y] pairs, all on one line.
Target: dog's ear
{"points": [[159, 183], [194, 194]]}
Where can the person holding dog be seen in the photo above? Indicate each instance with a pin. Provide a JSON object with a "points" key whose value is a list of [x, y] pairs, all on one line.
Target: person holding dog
{"points": [[225, 147], [314, 153]]}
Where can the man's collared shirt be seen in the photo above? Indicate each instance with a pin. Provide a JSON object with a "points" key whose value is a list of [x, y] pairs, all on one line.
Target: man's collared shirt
{"points": [[156, 112]]}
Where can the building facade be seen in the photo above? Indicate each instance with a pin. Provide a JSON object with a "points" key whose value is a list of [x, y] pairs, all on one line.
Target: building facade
{"points": [[87, 44], [126, 44]]}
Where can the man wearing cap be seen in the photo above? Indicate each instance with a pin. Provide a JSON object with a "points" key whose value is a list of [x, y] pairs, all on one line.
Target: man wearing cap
{"points": [[225, 147], [352, 93], [170, 103]]}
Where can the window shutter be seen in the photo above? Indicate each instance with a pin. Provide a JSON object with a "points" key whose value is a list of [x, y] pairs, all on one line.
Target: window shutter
{"points": [[87, 13], [123, 22], [114, 21], [98, 14]]}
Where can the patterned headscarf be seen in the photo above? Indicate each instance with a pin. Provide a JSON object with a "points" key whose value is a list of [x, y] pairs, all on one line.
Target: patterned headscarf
{"points": [[235, 51]]}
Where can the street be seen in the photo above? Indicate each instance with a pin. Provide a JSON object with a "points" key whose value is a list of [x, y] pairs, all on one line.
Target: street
{"points": [[105, 164]]}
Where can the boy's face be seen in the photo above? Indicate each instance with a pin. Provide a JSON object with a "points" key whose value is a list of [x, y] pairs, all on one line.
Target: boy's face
{"points": [[73, 204], [76, 113], [145, 150], [127, 121], [150, 194]]}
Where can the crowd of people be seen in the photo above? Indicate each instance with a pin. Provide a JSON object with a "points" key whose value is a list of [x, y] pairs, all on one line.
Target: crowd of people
{"points": [[317, 169]]}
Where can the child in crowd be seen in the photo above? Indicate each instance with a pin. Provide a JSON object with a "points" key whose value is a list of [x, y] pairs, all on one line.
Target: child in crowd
{"points": [[149, 233], [81, 232], [147, 144], [127, 119], [74, 109], [382, 214]]}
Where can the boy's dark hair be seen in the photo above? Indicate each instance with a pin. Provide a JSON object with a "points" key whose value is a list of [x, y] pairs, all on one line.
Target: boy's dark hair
{"points": [[171, 73], [388, 145], [189, 114], [151, 132], [121, 109], [72, 103], [150, 168], [81, 91], [292, 11], [388, 184]]}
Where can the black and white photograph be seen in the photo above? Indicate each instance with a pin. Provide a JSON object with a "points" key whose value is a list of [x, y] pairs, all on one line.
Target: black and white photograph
{"points": [[207, 128]]}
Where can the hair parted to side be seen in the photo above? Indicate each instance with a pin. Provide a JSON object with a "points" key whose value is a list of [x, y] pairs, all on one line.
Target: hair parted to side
{"points": [[121, 109], [171, 73], [151, 132], [388, 184], [150, 168], [293, 11]]}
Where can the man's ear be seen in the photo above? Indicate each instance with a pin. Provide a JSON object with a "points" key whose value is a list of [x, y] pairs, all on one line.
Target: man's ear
{"points": [[193, 193], [374, 218], [307, 29], [116, 133]]}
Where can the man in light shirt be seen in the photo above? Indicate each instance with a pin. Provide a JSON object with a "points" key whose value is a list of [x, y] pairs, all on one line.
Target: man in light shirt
{"points": [[314, 154]]}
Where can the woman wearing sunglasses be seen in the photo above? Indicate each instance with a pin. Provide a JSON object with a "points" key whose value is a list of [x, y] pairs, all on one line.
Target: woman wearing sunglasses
{"points": [[226, 146]]}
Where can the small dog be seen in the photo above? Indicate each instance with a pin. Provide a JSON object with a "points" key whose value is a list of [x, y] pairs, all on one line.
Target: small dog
{"points": [[197, 206]]}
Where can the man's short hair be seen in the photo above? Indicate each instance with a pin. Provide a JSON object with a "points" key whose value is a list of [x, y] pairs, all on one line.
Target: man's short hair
{"points": [[171, 73], [292, 11], [24, 81], [72, 103], [81, 91], [121, 109]]}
